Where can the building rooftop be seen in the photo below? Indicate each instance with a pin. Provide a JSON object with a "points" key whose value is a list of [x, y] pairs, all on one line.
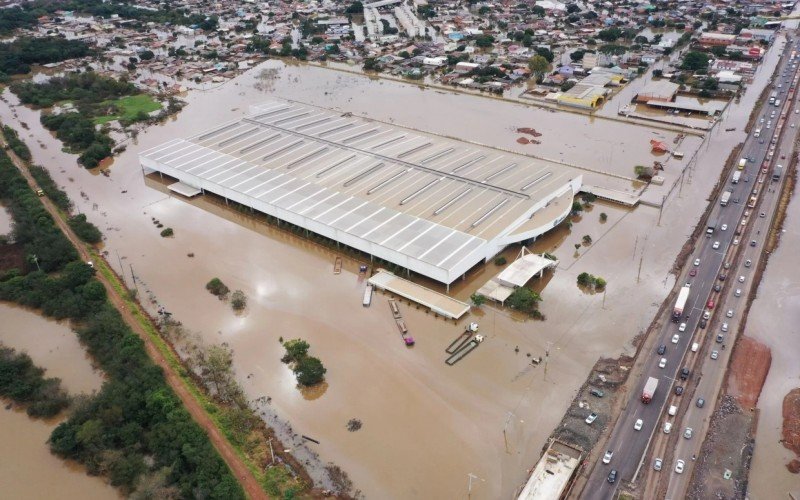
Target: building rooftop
{"points": [[418, 196]]}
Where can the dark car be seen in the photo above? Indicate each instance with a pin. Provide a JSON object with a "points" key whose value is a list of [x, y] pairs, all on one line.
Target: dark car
{"points": [[597, 392], [722, 276], [717, 287], [693, 272], [752, 243], [720, 338], [612, 476], [662, 349], [678, 390], [703, 323], [684, 373]]}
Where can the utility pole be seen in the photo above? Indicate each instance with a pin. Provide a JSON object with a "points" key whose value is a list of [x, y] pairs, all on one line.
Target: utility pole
{"points": [[35, 260], [505, 437], [133, 278], [547, 358], [121, 269], [270, 450], [471, 476], [661, 209]]}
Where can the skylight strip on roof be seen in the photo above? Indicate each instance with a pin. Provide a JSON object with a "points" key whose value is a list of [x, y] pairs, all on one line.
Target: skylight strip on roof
{"points": [[489, 213], [306, 157], [536, 181], [452, 201], [419, 191], [282, 149], [414, 150], [438, 155], [500, 172], [387, 181], [236, 137], [363, 174], [259, 143], [338, 163], [468, 164]]}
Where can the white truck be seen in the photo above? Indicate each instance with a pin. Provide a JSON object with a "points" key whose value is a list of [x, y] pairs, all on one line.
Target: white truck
{"points": [[736, 176], [683, 296], [726, 196], [649, 390]]}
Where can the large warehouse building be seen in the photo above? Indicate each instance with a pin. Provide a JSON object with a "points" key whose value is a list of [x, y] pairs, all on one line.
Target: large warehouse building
{"points": [[432, 205]]}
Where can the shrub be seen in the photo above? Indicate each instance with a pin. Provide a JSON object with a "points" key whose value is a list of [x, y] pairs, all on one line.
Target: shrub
{"points": [[296, 349], [500, 261], [217, 287], [523, 299], [309, 371], [603, 217], [84, 229], [166, 233], [587, 239], [238, 300], [577, 207], [478, 299]]}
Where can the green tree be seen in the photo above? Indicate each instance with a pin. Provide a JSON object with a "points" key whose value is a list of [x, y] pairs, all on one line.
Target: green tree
{"points": [[603, 217], [238, 300], [217, 287], [355, 8], [587, 239], [694, 61], [609, 34], [296, 349], [478, 299], [538, 66], [484, 41], [309, 371], [585, 279], [523, 299], [599, 282]]}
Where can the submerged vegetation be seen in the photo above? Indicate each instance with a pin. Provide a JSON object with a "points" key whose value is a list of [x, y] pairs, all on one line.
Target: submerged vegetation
{"points": [[308, 369], [24, 383], [135, 430]]}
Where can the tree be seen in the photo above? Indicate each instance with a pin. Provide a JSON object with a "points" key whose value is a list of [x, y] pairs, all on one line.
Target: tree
{"points": [[538, 66], [599, 282], [478, 299], [523, 299], [587, 239], [296, 349], [577, 55], [694, 61], [657, 73], [603, 217], [84, 229], [573, 8], [609, 34], [484, 41], [238, 300], [146, 55], [355, 8], [167, 232], [309, 371], [577, 207], [585, 279], [567, 85], [217, 287], [546, 53], [371, 64]]}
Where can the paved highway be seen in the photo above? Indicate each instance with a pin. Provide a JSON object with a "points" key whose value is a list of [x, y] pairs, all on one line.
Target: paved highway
{"points": [[714, 370], [629, 445]]}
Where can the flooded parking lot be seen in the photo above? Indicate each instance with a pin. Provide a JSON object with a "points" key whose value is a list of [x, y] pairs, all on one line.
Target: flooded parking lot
{"points": [[425, 425]]}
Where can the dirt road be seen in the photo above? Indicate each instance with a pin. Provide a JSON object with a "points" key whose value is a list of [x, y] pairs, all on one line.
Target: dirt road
{"points": [[242, 473]]}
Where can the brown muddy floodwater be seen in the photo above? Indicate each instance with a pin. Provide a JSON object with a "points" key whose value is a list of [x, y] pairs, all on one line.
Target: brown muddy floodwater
{"points": [[426, 425], [27, 468], [5, 221], [773, 321]]}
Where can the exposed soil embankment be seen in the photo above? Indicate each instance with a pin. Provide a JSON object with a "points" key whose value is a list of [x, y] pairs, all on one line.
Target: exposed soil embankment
{"points": [[791, 427], [748, 371]]}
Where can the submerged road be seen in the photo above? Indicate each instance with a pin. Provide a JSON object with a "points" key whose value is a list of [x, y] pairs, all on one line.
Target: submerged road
{"points": [[629, 446]]}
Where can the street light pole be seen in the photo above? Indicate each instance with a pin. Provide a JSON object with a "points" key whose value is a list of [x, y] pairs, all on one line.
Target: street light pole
{"points": [[472, 476]]}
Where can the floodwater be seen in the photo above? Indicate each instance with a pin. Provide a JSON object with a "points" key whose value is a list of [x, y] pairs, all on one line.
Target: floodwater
{"points": [[27, 468], [52, 345], [5, 220], [426, 426], [773, 321]]}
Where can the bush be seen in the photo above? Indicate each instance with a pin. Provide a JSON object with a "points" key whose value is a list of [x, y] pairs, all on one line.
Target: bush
{"points": [[166, 233], [296, 350], [577, 207], [500, 261], [478, 299], [591, 281], [84, 229], [587, 239], [16, 144], [603, 217], [56, 195], [24, 383], [309, 371], [217, 287], [238, 300], [523, 299]]}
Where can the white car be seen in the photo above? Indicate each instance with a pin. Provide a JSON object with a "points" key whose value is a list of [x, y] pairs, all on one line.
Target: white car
{"points": [[736, 241], [723, 227], [724, 327], [682, 328], [738, 292], [729, 313], [688, 433], [638, 425], [591, 418], [662, 363], [714, 354], [707, 315], [657, 464], [679, 466], [748, 263], [696, 262], [715, 245], [676, 338], [741, 279], [607, 457]]}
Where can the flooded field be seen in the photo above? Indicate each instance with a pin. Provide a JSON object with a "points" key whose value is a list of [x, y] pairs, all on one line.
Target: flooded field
{"points": [[5, 220], [773, 321], [425, 425], [27, 468], [51, 345]]}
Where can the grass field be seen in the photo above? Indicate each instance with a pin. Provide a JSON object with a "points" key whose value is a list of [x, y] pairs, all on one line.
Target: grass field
{"points": [[130, 106]]}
